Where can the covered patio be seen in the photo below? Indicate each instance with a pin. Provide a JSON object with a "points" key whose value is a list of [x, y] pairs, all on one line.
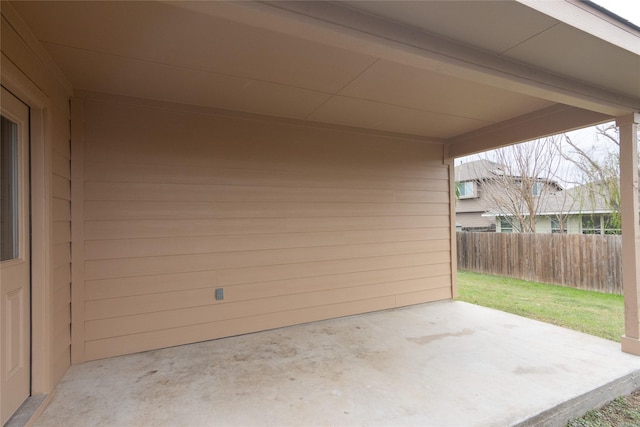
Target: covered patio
{"points": [[193, 171], [437, 364]]}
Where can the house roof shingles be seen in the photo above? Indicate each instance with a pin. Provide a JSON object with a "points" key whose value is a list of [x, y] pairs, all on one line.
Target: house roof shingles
{"points": [[575, 200], [477, 170]]}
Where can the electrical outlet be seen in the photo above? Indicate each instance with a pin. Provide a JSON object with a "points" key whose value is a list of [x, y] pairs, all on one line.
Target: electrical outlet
{"points": [[219, 294]]}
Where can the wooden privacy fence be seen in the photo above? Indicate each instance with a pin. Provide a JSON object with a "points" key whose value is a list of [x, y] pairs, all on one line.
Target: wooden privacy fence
{"points": [[591, 262]]}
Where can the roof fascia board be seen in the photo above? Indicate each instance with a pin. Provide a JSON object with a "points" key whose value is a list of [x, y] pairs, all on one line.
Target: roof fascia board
{"points": [[336, 25], [590, 20], [538, 124]]}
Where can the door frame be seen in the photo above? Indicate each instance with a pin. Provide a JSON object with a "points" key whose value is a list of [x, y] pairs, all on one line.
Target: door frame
{"points": [[16, 388], [41, 155]]}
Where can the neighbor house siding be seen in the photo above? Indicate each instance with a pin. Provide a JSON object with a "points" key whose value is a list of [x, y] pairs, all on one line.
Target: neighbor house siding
{"points": [[474, 219], [574, 224], [471, 204], [295, 223], [543, 225]]}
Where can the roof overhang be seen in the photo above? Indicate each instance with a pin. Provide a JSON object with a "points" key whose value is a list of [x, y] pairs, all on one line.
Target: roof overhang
{"points": [[474, 75]]}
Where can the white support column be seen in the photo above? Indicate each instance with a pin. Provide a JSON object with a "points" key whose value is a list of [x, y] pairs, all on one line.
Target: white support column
{"points": [[630, 230]]}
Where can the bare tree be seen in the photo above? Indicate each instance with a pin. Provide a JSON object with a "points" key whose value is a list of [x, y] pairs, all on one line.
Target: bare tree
{"points": [[520, 187], [526, 180], [599, 169]]}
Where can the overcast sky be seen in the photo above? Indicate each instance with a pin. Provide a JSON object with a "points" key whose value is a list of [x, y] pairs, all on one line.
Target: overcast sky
{"points": [[628, 9]]}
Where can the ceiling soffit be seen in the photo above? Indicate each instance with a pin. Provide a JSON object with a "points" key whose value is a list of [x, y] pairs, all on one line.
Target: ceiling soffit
{"points": [[363, 72], [401, 43]]}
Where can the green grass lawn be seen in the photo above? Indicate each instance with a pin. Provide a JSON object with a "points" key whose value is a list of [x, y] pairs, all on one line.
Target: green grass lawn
{"points": [[586, 311]]}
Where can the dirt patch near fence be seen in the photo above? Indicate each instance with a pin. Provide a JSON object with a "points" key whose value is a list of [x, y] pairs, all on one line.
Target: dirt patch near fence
{"points": [[621, 412]]}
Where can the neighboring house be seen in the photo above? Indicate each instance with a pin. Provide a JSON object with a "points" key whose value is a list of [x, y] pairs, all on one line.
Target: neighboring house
{"points": [[575, 210], [470, 208], [206, 169], [475, 182]]}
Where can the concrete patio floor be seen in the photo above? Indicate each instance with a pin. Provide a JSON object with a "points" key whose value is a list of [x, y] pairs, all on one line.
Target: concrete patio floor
{"points": [[438, 364]]}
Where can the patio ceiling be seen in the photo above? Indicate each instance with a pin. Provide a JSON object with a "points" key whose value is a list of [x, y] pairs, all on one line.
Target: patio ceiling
{"points": [[443, 70]]}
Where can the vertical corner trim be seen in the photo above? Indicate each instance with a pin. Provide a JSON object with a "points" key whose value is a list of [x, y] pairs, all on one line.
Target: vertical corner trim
{"points": [[449, 161], [77, 230]]}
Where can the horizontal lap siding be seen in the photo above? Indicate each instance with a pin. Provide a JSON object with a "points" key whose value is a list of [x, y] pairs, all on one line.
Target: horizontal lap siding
{"points": [[295, 223]]}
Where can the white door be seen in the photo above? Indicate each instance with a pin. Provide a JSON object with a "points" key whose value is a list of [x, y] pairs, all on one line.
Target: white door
{"points": [[15, 270]]}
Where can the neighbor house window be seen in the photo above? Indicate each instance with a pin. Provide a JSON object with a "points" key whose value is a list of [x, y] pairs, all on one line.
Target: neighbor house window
{"points": [[611, 224], [557, 227], [536, 189], [505, 226], [465, 190], [591, 224]]}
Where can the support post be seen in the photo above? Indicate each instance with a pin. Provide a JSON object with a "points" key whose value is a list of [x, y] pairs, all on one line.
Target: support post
{"points": [[628, 126], [450, 162]]}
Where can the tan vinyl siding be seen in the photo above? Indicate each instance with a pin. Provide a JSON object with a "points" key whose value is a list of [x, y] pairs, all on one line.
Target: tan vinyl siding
{"points": [[61, 230], [295, 223]]}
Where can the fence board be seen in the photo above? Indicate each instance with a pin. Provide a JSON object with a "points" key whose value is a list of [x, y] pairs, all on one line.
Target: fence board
{"points": [[590, 262]]}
